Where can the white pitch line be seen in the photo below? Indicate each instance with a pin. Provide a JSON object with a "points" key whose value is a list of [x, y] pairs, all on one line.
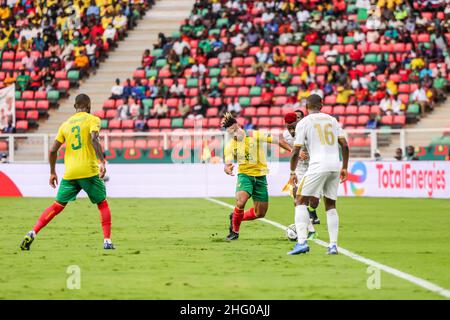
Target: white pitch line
{"points": [[400, 274]]}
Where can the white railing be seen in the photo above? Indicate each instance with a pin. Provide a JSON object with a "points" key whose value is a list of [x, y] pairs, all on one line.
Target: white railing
{"points": [[33, 148]]}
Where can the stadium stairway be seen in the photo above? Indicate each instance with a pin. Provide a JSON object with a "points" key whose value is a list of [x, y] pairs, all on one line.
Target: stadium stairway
{"points": [[165, 16], [439, 118]]}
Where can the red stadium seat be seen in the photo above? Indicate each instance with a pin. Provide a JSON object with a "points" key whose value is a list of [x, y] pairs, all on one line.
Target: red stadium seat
{"points": [[42, 105], [274, 111], [351, 110], [243, 91], [362, 120], [40, 95], [128, 124], [28, 95], [249, 111], [214, 122], [165, 123], [30, 105], [339, 110], [276, 122], [264, 122], [20, 105], [387, 120], [110, 104], [22, 125], [262, 111], [114, 124], [153, 123], [255, 101], [212, 112], [111, 114], [32, 115], [280, 91]]}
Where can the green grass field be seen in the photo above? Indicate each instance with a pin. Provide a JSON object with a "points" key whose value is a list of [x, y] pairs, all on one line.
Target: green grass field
{"points": [[174, 249]]}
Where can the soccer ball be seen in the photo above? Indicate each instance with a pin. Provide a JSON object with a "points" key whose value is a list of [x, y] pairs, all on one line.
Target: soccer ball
{"points": [[291, 232]]}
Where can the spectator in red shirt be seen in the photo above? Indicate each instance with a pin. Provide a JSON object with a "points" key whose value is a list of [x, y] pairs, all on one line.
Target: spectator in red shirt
{"points": [[356, 54]]}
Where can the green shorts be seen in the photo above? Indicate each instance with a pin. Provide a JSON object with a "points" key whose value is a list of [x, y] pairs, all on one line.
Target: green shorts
{"points": [[93, 186], [256, 187]]}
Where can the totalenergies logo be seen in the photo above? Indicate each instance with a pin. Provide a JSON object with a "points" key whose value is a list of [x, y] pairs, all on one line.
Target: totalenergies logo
{"points": [[357, 175]]}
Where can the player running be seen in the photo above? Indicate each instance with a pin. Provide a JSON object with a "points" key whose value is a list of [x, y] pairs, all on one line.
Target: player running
{"points": [[85, 168], [291, 119], [322, 135], [247, 149]]}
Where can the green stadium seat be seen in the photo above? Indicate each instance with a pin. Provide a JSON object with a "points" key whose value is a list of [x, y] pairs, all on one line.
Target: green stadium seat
{"points": [[292, 89], [255, 91], [244, 101], [192, 83], [315, 48], [53, 95], [104, 124], [413, 108], [161, 63], [371, 58], [221, 22], [177, 122], [214, 32], [157, 53], [214, 72], [151, 73]]}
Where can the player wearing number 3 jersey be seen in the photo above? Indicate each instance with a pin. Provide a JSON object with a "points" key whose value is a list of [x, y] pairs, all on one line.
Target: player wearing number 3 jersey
{"points": [[85, 168]]}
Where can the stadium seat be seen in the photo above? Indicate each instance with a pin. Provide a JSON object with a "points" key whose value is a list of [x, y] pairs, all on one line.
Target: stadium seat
{"points": [[262, 111], [28, 95]]}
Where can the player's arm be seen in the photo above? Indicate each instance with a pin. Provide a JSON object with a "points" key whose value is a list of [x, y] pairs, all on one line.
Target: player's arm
{"points": [[345, 155], [293, 163], [95, 139], [273, 139], [53, 156], [229, 157]]}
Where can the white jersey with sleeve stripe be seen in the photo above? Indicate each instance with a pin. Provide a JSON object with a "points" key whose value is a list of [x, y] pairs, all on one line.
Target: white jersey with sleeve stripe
{"points": [[302, 165], [319, 132]]}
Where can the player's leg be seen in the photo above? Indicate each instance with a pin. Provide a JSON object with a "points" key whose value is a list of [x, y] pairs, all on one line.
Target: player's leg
{"points": [[312, 234], [330, 195], [67, 191], [310, 186], [312, 209], [260, 200], [95, 189]]}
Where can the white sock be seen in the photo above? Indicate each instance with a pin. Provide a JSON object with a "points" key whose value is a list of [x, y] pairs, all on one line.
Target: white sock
{"points": [[333, 226], [311, 227], [107, 241], [301, 222]]}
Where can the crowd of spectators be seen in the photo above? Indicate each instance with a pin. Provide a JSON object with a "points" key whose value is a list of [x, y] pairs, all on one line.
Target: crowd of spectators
{"points": [[336, 42], [40, 38]]}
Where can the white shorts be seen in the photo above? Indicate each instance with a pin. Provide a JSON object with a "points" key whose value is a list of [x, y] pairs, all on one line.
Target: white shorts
{"points": [[318, 184]]}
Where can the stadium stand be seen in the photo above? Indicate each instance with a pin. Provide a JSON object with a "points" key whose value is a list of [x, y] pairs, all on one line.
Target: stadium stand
{"points": [[47, 47], [376, 63]]}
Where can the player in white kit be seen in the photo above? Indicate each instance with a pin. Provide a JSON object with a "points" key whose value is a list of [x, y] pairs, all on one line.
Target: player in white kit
{"points": [[291, 119], [322, 135]]}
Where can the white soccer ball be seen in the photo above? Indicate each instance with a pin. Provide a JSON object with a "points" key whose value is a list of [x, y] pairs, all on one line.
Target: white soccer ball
{"points": [[291, 232]]}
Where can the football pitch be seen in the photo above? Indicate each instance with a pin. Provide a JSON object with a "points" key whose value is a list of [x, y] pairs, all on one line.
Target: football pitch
{"points": [[175, 249]]}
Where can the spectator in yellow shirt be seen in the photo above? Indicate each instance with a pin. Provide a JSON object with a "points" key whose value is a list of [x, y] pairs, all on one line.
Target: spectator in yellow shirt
{"points": [[343, 95], [5, 11], [417, 63]]}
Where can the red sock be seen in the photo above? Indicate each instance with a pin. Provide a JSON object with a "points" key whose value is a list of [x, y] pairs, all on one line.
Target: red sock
{"points": [[106, 218], [238, 215], [47, 216], [249, 214]]}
